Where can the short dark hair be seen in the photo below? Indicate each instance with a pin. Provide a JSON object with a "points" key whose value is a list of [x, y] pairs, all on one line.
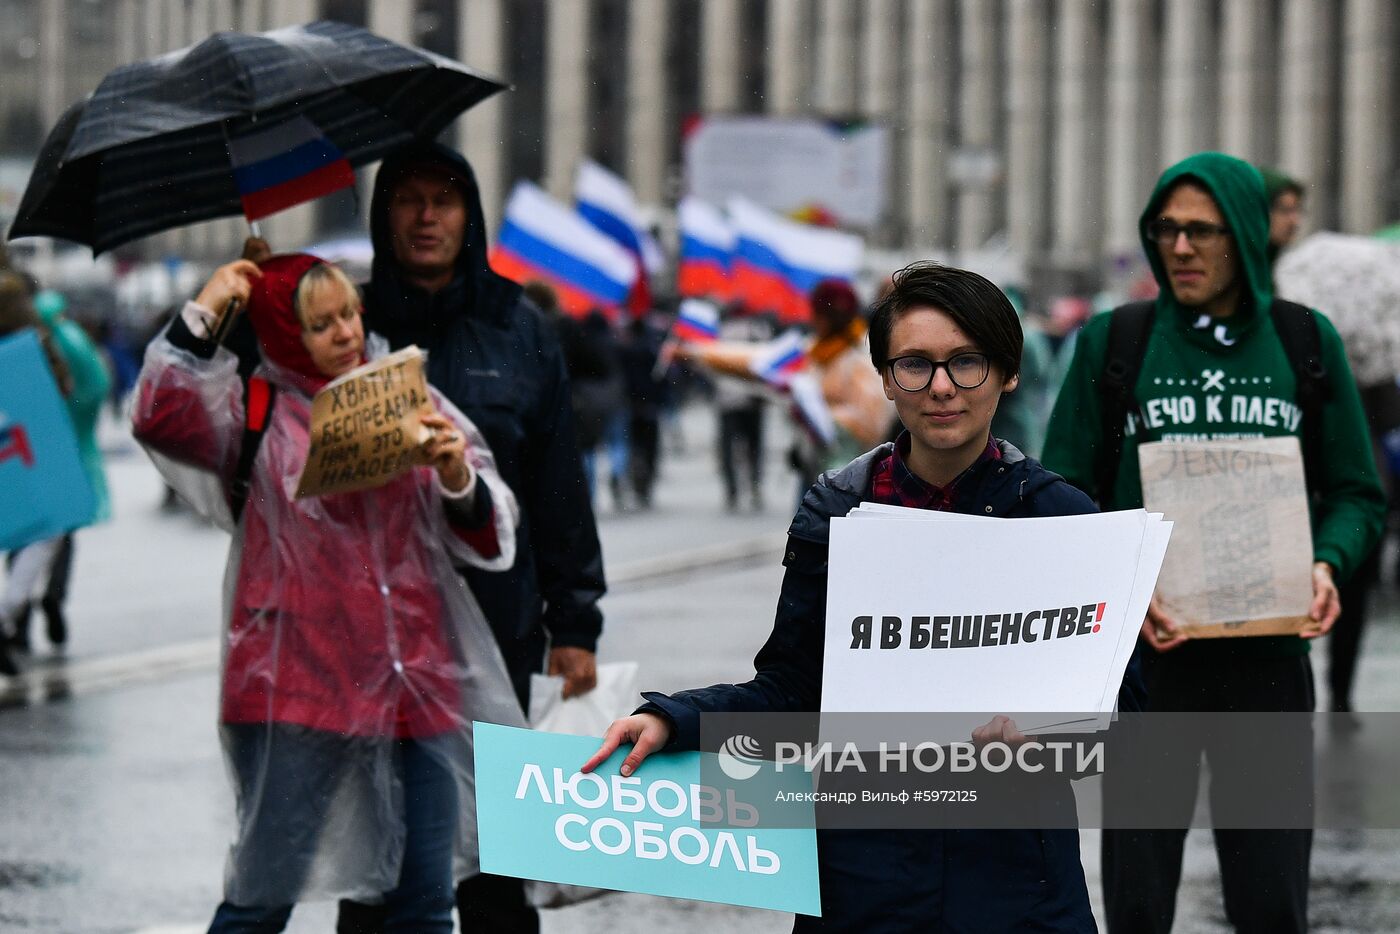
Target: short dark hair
{"points": [[977, 306]]}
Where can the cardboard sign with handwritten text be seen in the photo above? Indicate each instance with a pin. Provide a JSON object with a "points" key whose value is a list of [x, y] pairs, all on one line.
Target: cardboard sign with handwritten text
{"points": [[365, 426], [1240, 561]]}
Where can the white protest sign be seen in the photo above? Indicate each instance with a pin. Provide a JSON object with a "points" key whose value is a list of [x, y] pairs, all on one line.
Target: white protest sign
{"points": [[790, 163], [365, 426], [934, 614], [1241, 561], [1155, 539]]}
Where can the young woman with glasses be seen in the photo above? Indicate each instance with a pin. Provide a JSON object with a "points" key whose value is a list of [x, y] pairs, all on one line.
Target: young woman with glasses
{"points": [[947, 345]]}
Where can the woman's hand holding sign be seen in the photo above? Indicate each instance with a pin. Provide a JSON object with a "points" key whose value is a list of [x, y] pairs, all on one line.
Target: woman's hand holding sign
{"points": [[446, 449], [645, 731]]}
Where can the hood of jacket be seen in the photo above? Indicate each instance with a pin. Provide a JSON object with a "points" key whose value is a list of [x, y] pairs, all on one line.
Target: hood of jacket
{"points": [[1238, 190], [50, 306], [272, 312], [1000, 484], [405, 312]]}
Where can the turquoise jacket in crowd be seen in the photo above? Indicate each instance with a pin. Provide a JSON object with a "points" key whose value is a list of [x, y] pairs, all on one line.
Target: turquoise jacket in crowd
{"points": [[91, 385]]}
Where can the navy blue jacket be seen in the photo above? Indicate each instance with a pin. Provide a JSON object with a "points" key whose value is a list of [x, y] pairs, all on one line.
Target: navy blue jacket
{"points": [[498, 359], [983, 881]]}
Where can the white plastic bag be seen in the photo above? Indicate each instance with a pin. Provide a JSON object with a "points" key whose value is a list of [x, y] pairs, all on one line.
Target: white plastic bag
{"points": [[586, 715]]}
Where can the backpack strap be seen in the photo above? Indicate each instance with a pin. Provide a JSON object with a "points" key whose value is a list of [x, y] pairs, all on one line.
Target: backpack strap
{"points": [[1301, 337], [1128, 329], [257, 407]]}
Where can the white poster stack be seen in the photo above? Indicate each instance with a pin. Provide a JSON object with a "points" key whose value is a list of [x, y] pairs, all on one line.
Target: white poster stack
{"points": [[936, 612]]}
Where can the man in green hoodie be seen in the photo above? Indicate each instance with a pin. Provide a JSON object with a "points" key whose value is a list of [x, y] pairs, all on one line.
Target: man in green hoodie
{"points": [[1214, 367]]}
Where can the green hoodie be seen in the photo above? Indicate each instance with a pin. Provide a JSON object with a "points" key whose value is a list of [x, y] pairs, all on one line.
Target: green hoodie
{"points": [[1225, 379], [91, 385]]}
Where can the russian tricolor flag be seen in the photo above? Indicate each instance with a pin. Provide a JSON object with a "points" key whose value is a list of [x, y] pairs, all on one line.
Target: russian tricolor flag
{"points": [[607, 202], [543, 239], [697, 323], [811, 408], [707, 250], [285, 165], [777, 262], [782, 363], [780, 358]]}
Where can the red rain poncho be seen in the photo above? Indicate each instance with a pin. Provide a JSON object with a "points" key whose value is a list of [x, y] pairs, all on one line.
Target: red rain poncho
{"points": [[346, 622]]}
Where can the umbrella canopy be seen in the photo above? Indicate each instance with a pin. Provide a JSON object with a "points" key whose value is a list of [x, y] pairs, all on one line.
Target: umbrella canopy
{"points": [[149, 150], [1355, 281]]}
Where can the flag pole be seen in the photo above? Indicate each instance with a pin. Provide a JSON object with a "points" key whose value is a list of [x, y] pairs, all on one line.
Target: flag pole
{"points": [[664, 358]]}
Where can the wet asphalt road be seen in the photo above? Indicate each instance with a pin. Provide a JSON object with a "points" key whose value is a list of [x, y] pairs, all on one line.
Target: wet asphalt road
{"points": [[115, 812]]}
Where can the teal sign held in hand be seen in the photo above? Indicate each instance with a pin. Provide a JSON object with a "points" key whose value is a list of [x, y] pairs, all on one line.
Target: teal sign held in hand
{"points": [[46, 492], [661, 831]]}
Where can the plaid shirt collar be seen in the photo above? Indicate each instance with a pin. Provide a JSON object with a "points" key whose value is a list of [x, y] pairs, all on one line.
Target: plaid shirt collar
{"points": [[896, 485]]}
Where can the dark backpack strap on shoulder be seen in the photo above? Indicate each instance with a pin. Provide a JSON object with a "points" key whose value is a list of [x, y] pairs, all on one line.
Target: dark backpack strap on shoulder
{"points": [[257, 408], [1128, 330], [1301, 337]]}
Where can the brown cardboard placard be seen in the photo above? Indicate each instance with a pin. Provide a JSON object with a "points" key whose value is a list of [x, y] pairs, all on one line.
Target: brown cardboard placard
{"points": [[1240, 559], [365, 426]]}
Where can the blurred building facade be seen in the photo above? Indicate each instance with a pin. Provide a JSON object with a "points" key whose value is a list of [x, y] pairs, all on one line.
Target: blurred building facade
{"points": [[1039, 124]]}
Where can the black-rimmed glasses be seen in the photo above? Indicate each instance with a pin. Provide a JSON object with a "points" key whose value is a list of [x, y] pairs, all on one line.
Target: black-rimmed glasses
{"points": [[914, 374], [1198, 233]]}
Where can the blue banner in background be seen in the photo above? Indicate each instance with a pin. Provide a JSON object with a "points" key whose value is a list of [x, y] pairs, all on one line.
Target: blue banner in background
{"points": [[661, 831], [44, 490]]}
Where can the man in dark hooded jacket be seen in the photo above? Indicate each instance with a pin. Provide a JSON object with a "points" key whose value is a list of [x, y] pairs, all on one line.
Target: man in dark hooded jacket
{"points": [[498, 359]]}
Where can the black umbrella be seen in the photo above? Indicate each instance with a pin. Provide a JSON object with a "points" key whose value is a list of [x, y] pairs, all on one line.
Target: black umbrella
{"points": [[148, 150]]}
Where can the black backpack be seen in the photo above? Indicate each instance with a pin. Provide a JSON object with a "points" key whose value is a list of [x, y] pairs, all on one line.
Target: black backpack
{"points": [[1128, 333]]}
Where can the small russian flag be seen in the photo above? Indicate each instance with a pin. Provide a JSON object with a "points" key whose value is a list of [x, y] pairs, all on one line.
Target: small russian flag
{"points": [[811, 408], [782, 357], [697, 323], [284, 165]]}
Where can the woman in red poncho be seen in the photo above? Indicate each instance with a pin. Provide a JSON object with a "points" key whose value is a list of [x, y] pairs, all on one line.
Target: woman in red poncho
{"points": [[355, 658]]}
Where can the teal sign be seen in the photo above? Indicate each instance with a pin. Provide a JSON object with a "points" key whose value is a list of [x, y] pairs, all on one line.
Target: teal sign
{"points": [[45, 491], [661, 831]]}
